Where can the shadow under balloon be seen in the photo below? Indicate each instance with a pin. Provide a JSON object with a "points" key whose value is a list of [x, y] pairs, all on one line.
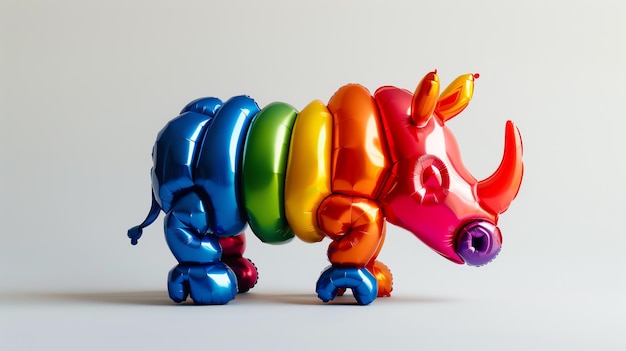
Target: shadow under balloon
{"points": [[161, 298], [344, 300], [151, 298]]}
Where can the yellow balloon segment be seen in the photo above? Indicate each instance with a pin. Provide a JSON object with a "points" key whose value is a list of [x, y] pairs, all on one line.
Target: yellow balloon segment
{"points": [[307, 182]]}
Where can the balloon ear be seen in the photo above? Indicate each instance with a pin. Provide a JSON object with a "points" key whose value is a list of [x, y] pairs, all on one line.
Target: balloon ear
{"points": [[456, 97], [425, 99]]}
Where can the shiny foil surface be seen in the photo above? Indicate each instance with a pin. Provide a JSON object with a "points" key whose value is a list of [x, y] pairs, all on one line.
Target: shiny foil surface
{"points": [[339, 171], [359, 158], [264, 169], [308, 170]]}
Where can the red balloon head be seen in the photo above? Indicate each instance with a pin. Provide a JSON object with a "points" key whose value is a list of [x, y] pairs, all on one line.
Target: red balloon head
{"points": [[429, 191]]}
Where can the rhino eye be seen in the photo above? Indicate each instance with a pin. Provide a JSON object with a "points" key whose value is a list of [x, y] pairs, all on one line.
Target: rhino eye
{"points": [[432, 180]]}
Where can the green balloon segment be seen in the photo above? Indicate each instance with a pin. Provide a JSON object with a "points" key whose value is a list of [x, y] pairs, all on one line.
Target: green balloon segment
{"points": [[264, 170]]}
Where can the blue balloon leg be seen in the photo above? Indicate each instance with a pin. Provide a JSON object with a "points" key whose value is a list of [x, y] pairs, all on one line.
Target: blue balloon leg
{"points": [[207, 284], [200, 273], [363, 283]]}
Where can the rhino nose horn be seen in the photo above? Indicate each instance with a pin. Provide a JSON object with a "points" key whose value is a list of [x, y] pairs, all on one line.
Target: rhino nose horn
{"points": [[496, 192]]}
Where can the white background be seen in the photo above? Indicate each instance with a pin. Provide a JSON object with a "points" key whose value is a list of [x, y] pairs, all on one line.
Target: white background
{"points": [[85, 87]]}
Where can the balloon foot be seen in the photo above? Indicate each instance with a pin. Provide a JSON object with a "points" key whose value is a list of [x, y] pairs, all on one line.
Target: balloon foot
{"points": [[245, 271], [363, 284], [207, 284]]}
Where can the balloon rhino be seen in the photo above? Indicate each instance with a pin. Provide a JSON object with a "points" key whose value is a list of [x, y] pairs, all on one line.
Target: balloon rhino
{"points": [[336, 171]]}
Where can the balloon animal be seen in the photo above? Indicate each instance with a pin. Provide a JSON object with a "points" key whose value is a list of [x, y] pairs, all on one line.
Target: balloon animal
{"points": [[336, 171]]}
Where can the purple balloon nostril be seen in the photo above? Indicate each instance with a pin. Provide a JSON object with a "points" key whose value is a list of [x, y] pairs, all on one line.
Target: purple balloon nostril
{"points": [[478, 243]]}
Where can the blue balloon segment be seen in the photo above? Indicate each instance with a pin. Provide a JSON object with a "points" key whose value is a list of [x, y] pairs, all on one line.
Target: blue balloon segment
{"points": [[363, 284], [213, 283], [174, 155], [219, 163], [206, 106]]}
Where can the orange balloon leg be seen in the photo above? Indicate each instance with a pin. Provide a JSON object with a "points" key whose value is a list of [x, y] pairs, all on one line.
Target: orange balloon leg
{"points": [[383, 276], [357, 228]]}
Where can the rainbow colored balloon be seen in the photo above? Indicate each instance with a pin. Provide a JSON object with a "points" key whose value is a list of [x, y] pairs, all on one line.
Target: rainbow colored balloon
{"points": [[336, 171]]}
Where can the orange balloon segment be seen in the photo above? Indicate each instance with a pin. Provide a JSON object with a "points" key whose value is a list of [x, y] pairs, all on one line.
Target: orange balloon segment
{"points": [[359, 157]]}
